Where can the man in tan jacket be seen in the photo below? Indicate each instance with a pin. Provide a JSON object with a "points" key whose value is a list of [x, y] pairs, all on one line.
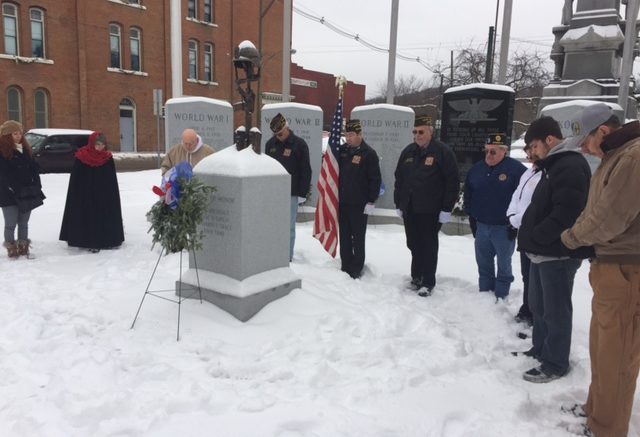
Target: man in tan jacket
{"points": [[191, 150], [611, 224]]}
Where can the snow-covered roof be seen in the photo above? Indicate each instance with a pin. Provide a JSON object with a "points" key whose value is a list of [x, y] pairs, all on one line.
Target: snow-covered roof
{"points": [[383, 106], [289, 105], [198, 99], [57, 131], [486, 86], [611, 31], [241, 163]]}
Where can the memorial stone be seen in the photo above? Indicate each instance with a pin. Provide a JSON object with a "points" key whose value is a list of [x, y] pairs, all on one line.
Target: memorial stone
{"points": [[388, 130], [244, 262], [212, 119], [470, 113], [306, 122]]}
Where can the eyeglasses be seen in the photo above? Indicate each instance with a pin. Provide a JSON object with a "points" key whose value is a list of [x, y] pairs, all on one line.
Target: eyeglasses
{"points": [[418, 132], [492, 152]]}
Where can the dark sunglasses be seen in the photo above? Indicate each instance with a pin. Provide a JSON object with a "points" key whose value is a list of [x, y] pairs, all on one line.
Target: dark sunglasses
{"points": [[419, 132]]}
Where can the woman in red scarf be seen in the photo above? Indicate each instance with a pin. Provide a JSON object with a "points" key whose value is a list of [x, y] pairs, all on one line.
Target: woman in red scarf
{"points": [[92, 215]]}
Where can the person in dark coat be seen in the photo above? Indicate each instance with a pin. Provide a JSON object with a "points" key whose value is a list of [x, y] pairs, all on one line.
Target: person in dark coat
{"points": [[293, 153], [488, 189], [359, 188], [557, 201], [18, 174], [92, 214], [426, 189]]}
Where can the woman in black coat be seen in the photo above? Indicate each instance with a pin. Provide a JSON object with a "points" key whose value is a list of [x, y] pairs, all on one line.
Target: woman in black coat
{"points": [[92, 215], [20, 188]]}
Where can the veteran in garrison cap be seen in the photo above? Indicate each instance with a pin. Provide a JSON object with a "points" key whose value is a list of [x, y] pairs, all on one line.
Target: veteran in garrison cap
{"points": [[426, 189], [293, 153], [488, 189], [359, 187]]}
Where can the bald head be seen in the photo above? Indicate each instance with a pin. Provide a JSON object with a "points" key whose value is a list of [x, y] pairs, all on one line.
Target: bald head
{"points": [[189, 140]]}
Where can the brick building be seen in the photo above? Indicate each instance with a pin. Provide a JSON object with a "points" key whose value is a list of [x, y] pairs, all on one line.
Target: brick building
{"points": [[94, 64], [317, 88]]}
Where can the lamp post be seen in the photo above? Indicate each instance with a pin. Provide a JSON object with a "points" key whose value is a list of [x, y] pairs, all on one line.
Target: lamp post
{"points": [[246, 64]]}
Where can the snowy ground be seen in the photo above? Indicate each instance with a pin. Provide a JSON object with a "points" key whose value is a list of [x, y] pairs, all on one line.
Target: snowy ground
{"points": [[335, 358]]}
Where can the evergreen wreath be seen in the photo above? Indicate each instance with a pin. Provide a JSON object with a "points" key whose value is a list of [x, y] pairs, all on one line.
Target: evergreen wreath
{"points": [[175, 217]]}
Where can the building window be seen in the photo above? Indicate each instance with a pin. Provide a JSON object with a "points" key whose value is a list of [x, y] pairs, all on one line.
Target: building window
{"points": [[37, 33], [208, 62], [133, 2], [10, 22], [14, 104], [207, 15], [192, 9], [193, 59], [114, 37], [136, 49], [41, 108]]}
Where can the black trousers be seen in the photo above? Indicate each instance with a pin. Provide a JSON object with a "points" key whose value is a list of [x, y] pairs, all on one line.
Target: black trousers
{"points": [[422, 230], [353, 227]]}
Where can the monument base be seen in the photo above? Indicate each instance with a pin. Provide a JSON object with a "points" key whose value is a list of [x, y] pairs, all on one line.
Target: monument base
{"points": [[242, 299]]}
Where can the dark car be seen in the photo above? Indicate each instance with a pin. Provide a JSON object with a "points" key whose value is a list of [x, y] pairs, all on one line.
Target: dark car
{"points": [[54, 149]]}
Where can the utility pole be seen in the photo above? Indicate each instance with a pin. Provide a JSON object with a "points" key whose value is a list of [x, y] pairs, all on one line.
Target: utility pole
{"points": [[627, 53], [393, 46], [504, 41], [176, 48], [488, 71], [286, 53]]}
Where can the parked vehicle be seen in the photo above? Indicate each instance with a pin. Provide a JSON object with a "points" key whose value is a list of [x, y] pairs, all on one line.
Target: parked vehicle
{"points": [[54, 149]]}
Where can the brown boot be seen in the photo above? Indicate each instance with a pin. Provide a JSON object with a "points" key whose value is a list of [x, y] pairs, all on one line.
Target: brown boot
{"points": [[23, 247], [12, 249]]}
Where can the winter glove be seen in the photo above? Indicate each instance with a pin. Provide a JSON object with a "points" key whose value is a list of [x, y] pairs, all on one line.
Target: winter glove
{"points": [[512, 232], [444, 217], [301, 200], [474, 225], [368, 208], [399, 213]]}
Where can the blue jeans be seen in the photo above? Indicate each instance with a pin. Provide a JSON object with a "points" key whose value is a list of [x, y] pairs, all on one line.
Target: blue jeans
{"points": [[13, 218], [550, 288], [292, 229], [491, 243]]}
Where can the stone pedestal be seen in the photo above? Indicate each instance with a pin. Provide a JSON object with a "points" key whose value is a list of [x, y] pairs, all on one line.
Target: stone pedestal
{"points": [[306, 122], [212, 119], [387, 129], [244, 263], [471, 113]]}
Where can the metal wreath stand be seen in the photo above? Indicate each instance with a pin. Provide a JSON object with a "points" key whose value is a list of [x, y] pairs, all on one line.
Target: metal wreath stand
{"points": [[180, 298]]}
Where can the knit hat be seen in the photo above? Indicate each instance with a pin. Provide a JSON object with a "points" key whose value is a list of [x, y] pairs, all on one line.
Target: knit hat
{"points": [[9, 127]]}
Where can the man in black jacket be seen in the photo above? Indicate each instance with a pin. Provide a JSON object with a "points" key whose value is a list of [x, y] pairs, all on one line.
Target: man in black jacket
{"points": [[426, 189], [293, 153], [359, 188], [558, 200]]}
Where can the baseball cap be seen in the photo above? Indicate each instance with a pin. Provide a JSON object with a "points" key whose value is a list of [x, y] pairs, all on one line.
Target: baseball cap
{"points": [[592, 117]]}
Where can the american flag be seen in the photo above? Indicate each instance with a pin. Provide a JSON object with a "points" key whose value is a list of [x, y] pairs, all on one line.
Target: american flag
{"points": [[325, 227]]}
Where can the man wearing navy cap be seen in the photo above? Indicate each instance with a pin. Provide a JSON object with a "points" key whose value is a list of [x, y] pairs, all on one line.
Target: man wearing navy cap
{"points": [[611, 224], [426, 189], [359, 188], [293, 153], [488, 189]]}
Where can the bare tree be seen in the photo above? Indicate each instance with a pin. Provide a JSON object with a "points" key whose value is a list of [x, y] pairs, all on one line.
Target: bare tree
{"points": [[404, 85]]}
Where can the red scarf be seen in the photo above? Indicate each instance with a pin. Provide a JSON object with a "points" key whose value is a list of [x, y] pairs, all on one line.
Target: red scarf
{"points": [[92, 157]]}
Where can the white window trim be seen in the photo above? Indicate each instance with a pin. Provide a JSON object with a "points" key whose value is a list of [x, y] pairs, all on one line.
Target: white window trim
{"points": [[202, 82], [26, 59], [123, 71], [206, 23], [120, 2], [139, 40], [44, 42], [17, 18]]}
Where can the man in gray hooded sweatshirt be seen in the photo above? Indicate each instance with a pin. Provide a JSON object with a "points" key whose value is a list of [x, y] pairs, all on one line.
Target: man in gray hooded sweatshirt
{"points": [[557, 201]]}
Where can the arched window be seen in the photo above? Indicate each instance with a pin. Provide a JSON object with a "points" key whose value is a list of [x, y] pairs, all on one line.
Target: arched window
{"points": [[208, 62], [207, 13], [37, 33], [14, 104], [193, 59], [192, 9], [10, 25], [41, 105], [135, 40], [114, 38]]}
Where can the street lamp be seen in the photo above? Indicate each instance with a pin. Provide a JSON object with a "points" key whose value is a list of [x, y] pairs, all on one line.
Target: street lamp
{"points": [[246, 63]]}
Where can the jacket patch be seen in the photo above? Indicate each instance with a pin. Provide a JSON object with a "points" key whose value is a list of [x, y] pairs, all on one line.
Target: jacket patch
{"points": [[409, 160], [356, 159], [429, 160], [502, 177], [272, 150], [286, 152]]}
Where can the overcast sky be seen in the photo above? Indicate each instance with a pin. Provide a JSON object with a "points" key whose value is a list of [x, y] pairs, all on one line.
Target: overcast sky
{"points": [[429, 29]]}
